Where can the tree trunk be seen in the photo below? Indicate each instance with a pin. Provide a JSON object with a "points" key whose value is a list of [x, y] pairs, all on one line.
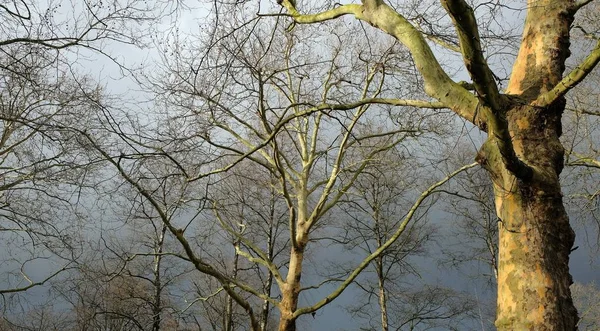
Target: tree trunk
{"points": [[533, 274], [380, 272], [383, 304], [264, 314], [157, 304], [535, 235], [228, 318], [291, 291]]}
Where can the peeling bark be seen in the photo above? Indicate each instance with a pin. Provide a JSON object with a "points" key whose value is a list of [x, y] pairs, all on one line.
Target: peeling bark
{"points": [[535, 234]]}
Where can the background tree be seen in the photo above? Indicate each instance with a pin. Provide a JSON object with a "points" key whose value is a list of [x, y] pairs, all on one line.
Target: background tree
{"points": [[581, 122], [43, 175], [247, 199], [296, 116], [373, 212]]}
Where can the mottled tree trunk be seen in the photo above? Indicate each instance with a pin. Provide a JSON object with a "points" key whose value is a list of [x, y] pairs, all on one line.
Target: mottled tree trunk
{"points": [[291, 290], [535, 235], [533, 273]]}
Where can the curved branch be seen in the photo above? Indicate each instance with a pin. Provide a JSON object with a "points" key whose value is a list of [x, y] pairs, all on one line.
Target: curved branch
{"points": [[380, 15], [33, 284], [571, 80], [465, 22], [16, 13]]}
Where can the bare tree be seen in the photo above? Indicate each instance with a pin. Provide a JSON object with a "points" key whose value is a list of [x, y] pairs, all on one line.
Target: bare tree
{"points": [[247, 199], [44, 176], [377, 199], [264, 99], [523, 153]]}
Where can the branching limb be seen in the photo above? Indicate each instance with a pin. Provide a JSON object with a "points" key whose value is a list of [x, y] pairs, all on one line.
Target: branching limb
{"points": [[262, 256], [465, 22], [206, 298], [382, 248], [572, 79], [344, 144], [380, 15], [439, 41], [32, 283], [584, 161]]}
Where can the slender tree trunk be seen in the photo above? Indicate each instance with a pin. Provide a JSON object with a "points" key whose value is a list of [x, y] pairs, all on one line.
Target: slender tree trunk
{"points": [[264, 314], [157, 304], [228, 318], [379, 269], [535, 235], [382, 295]]}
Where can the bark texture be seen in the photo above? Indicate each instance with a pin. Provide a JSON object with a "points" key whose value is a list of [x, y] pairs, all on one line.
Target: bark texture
{"points": [[535, 235]]}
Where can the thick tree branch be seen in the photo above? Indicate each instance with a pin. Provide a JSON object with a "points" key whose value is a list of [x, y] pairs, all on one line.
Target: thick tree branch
{"points": [[351, 9], [465, 22], [500, 142], [391, 102], [572, 79], [437, 82]]}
